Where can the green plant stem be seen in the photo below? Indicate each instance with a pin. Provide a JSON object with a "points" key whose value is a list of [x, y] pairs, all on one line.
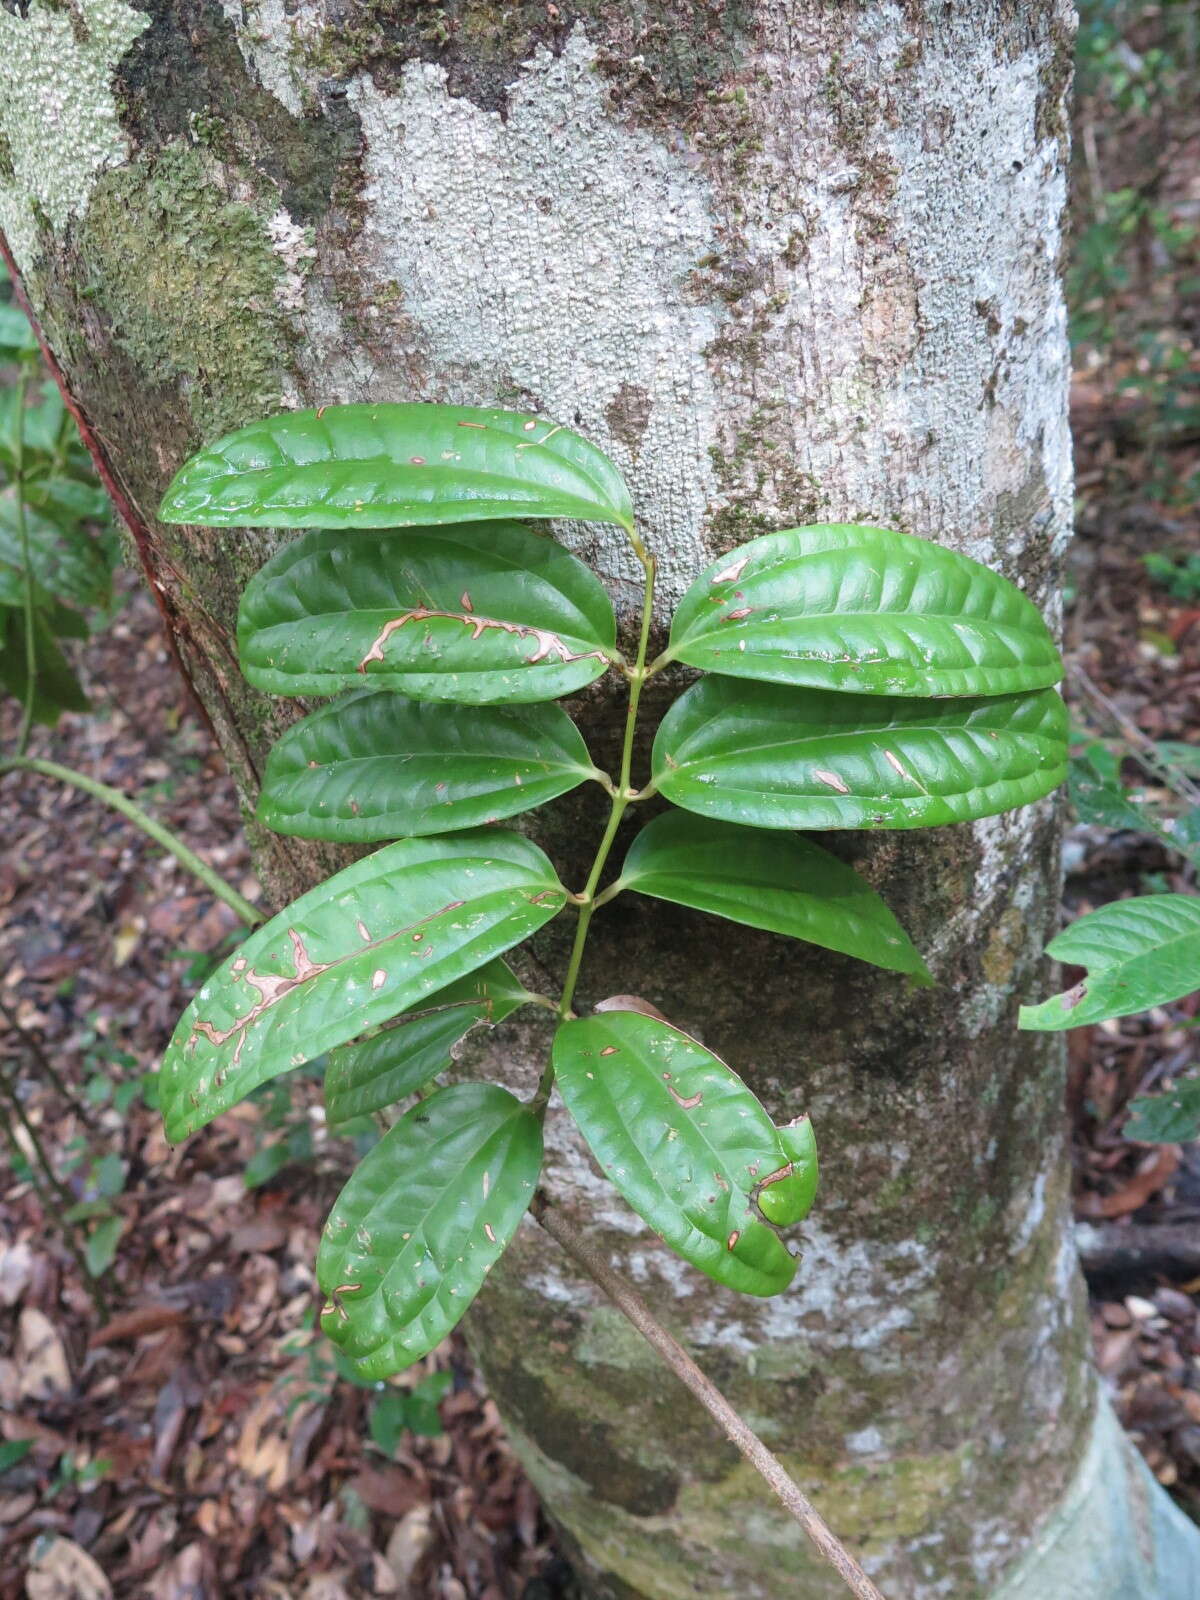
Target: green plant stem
{"points": [[157, 831], [46, 1067], [622, 796], [21, 390], [66, 1200], [673, 1355]]}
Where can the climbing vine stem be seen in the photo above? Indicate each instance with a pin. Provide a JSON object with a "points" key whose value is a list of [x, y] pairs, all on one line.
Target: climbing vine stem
{"points": [[157, 831]]}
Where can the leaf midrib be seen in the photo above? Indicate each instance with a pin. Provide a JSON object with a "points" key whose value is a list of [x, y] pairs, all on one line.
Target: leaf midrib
{"points": [[418, 1239], [682, 758]]}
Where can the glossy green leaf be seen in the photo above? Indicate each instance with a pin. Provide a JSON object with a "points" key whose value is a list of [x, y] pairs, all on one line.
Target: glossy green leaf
{"points": [[483, 613], [779, 882], [776, 757], [1138, 953], [786, 1196], [68, 565], [681, 1137], [367, 1077], [379, 766], [422, 1221], [375, 940], [863, 609], [390, 466]]}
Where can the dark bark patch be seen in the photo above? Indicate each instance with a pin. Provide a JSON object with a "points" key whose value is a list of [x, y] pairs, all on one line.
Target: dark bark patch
{"points": [[662, 55], [628, 415], [185, 78]]}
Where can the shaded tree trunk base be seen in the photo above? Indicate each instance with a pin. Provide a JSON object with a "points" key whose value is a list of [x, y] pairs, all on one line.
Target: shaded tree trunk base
{"points": [[1116, 1535]]}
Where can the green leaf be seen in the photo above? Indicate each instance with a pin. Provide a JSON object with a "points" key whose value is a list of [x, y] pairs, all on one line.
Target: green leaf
{"points": [[1138, 953], [366, 1077], [681, 1137], [789, 1194], [777, 757], [424, 1418], [108, 1175], [13, 1451], [1185, 834], [378, 766], [390, 466], [1178, 754], [395, 1413], [56, 688], [46, 424], [493, 612], [422, 1221], [375, 940], [1097, 794], [16, 336], [101, 1246], [269, 1160], [69, 501], [866, 609], [266, 1163], [387, 1421], [775, 881], [1172, 1117], [66, 565], [62, 622]]}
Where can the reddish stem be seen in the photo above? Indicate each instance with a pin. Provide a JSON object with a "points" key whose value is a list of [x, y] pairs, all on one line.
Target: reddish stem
{"points": [[139, 531]]}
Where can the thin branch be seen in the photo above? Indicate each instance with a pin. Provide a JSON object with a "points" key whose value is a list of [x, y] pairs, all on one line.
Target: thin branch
{"points": [[671, 1352], [1144, 747], [8, 1092], [45, 1066]]}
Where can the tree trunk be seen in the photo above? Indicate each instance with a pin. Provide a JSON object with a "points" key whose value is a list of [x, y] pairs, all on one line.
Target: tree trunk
{"points": [[789, 261]]}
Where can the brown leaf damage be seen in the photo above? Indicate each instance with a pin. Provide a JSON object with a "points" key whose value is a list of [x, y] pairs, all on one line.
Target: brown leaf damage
{"points": [[273, 987], [549, 645]]}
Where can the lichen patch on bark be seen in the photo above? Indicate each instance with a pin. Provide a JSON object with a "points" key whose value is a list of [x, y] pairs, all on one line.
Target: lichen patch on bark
{"points": [[272, 37], [509, 237], [59, 127]]}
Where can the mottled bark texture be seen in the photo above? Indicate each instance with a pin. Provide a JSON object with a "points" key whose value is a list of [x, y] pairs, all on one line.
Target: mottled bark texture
{"points": [[789, 260]]}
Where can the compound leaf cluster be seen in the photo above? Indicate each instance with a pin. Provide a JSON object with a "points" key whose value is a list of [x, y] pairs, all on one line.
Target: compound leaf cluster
{"points": [[853, 677]]}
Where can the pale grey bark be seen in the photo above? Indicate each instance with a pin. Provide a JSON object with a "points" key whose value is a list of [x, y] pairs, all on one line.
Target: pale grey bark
{"points": [[788, 261]]}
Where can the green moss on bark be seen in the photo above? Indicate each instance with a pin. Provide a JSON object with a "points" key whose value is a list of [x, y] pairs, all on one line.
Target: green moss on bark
{"points": [[187, 279]]}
